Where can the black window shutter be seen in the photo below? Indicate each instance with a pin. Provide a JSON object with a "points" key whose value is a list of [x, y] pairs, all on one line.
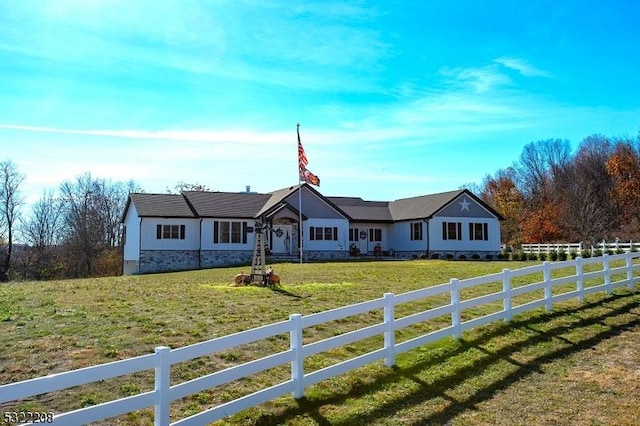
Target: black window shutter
{"points": [[182, 231], [486, 231], [460, 230], [471, 226], [312, 233], [159, 232], [335, 233], [216, 231], [444, 230], [244, 232]]}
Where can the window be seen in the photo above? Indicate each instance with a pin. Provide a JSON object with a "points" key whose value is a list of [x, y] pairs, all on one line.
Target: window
{"points": [[353, 234], [479, 231], [319, 233], [375, 234], [416, 231], [451, 231], [230, 232], [170, 232]]}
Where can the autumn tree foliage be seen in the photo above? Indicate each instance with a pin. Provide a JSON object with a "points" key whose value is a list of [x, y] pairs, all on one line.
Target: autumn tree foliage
{"points": [[552, 194], [623, 167], [500, 192]]}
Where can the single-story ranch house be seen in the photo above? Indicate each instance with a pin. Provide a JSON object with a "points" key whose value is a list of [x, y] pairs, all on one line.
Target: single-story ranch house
{"points": [[197, 229]]}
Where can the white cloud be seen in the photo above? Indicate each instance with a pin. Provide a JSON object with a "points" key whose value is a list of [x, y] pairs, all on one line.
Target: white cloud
{"points": [[522, 66]]}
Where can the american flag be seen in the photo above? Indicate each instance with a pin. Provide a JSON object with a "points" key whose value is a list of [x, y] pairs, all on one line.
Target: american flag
{"points": [[305, 175]]}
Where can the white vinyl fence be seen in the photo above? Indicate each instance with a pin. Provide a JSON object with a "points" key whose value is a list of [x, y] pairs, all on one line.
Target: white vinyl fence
{"points": [[574, 279], [603, 246]]}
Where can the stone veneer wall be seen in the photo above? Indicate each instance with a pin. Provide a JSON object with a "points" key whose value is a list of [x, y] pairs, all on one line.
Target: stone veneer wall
{"points": [[167, 260], [152, 261], [218, 258]]}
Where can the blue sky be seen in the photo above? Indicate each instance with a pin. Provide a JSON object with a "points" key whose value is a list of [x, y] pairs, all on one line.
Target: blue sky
{"points": [[394, 98]]}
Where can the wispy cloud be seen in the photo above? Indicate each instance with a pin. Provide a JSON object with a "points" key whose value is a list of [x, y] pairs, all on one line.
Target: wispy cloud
{"points": [[481, 79], [522, 66]]}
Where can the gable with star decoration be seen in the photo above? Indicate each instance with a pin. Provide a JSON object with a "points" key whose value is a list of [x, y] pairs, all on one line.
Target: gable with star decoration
{"points": [[466, 205]]}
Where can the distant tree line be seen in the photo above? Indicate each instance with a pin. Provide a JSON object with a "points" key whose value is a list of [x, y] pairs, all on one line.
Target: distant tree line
{"points": [[69, 233], [551, 194], [74, 231]]}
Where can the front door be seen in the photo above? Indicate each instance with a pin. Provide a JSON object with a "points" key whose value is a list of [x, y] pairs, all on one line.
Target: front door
{"points": [[281, 239]]}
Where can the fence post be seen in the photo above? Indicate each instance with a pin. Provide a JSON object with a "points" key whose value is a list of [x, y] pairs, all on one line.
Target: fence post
{"points": [[455, 308], [629, 265], [579, 280], [297, 364], [506, 289], [546, 273], [162, 386], [390, 332], [607, 273]]}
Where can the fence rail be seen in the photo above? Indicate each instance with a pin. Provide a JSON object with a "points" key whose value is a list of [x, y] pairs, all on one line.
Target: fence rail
{"points": [[602, 246], [162, 360]]}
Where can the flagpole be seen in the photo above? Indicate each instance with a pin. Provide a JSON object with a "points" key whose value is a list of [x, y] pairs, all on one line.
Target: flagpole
{"points": [[299, 200]]}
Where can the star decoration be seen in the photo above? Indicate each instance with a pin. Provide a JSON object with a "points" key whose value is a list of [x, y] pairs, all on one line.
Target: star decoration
{"points": [[464, 205]]}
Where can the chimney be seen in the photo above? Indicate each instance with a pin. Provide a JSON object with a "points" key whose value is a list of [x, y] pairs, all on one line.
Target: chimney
{"points": [[248, 188]]}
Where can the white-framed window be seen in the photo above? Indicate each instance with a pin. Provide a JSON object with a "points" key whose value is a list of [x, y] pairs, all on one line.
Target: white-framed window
{"points": [[375, 234], [416, 231], [479, 231], [170, 232], [230, 232], [326, 233], [452, 230]]}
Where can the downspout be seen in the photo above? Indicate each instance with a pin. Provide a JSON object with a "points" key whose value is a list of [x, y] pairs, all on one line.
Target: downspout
{"points": [[426, 221], [139, 244], [200, 246]]}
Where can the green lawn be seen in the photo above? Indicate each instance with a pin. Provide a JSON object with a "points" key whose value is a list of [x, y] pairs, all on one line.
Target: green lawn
{"points": [[575, 365]]}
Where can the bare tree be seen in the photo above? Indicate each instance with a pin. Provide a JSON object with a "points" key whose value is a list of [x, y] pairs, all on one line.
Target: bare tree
{"points": [[10, 202], [590, 214], [91, 214], [42, 233]]}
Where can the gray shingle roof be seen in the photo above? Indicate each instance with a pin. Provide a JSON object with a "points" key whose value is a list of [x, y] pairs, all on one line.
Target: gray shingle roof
{"points": [[161, 205], [361, 210], [226, 204], [421, 207], [252, 205]]}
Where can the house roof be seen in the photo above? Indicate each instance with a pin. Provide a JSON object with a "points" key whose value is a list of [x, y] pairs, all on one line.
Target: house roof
{"points": [[427, 206], [226, 204], [424, 206], [160, 205], [361, 210], [191, 204]]}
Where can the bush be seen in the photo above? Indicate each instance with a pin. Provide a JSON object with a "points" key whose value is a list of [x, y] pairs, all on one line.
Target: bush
{"points": [[449, 256], [462, 257], [475, 256], [562, 256], [489, 257], [424, 256], [532, 256], [573, 254], [597, 253], [553, 256], [585, 254], [500, 256], [435, 256]]}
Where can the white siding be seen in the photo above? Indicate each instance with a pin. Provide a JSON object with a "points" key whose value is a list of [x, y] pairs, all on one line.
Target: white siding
{"points": [[207, 235], [343, 235], [402, 231], [465, 244], [190, 242], [131, 249], [366, 245]]}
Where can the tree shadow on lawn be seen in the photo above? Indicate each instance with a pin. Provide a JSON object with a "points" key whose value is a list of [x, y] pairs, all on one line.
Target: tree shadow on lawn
{"points": [[424, 392]]}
